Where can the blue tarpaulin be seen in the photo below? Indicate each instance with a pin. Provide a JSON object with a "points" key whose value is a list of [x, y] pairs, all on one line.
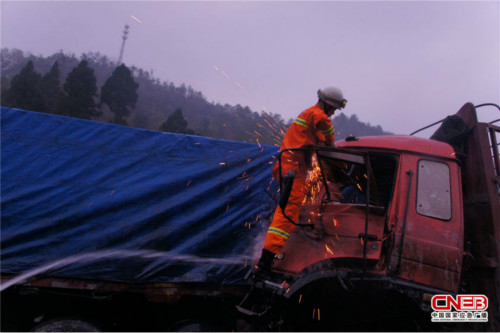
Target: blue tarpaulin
{"points": [[100, 201]]}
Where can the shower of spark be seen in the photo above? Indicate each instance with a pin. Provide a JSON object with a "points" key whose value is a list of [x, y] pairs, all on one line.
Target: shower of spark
{"points": [[135, 19], [222, 72]]}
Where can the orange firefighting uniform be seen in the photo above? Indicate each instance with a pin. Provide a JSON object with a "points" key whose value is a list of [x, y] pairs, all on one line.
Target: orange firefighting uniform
{"points": [[311, 127]]}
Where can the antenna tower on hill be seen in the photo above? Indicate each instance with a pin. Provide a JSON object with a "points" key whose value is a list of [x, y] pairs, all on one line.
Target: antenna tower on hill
{"points": [[124, 38]]}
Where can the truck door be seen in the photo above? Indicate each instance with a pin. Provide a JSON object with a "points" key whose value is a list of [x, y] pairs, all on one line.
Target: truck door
{"points": [[428, 223]]}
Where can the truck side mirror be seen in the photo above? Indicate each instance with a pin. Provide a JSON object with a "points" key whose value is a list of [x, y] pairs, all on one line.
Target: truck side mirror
{"points": [[287, 188]]}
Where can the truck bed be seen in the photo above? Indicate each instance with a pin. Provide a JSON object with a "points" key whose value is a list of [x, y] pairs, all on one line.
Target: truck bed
{"points": [[95, 201]]}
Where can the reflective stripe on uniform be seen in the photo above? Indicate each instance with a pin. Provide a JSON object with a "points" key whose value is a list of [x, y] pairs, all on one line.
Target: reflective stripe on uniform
{"points": [[279, 232], [301, 122], [328, 131]]}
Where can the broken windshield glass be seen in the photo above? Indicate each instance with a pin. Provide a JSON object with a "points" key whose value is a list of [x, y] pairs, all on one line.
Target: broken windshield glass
{"points": [[345, 176]]}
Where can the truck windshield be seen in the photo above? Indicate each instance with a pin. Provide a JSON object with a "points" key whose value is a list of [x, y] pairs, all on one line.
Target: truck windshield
{"points": [[346, 177]]}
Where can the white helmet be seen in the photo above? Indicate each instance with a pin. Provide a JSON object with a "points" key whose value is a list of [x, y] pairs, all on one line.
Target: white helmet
{"points": [[332, 96]]}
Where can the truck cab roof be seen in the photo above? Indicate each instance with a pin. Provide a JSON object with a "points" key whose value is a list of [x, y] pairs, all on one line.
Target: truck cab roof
{"points": [[399, 143]]}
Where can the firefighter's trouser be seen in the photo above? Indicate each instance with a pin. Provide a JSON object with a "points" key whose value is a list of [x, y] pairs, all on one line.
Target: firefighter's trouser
{"points": [[281, 227]]}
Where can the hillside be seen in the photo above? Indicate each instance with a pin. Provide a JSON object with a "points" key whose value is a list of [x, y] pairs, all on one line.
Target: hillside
{"points": [[159, 99]]}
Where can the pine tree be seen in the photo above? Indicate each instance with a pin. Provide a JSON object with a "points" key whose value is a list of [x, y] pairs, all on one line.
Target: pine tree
{"points": [[119, 93], [51, 88], [79, 90], [176, 123], [24, 91]]}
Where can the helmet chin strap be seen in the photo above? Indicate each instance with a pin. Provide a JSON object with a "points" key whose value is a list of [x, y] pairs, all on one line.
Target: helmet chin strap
{"points": [[327, 107], [324, 106]]}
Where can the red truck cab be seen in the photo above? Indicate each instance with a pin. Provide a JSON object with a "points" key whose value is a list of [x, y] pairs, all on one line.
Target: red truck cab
{"points": [[424, 217], [415, 221], [417, 216]]}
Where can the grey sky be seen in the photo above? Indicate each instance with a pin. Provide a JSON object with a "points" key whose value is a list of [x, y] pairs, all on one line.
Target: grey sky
{"points": [[401, 64]]}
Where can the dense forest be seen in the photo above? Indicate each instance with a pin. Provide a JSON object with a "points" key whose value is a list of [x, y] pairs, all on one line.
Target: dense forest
{"points": [[94, 87]]}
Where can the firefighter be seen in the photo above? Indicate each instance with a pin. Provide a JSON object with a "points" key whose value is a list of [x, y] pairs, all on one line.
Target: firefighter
{"points": [[311, 127]]}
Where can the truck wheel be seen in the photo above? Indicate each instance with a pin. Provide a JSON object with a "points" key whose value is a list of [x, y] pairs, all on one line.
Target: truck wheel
{"points": [[65, 325]]}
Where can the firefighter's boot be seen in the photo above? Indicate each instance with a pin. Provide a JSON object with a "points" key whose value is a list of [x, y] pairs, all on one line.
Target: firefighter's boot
{"points": [[263, 289], [257, 301]]}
